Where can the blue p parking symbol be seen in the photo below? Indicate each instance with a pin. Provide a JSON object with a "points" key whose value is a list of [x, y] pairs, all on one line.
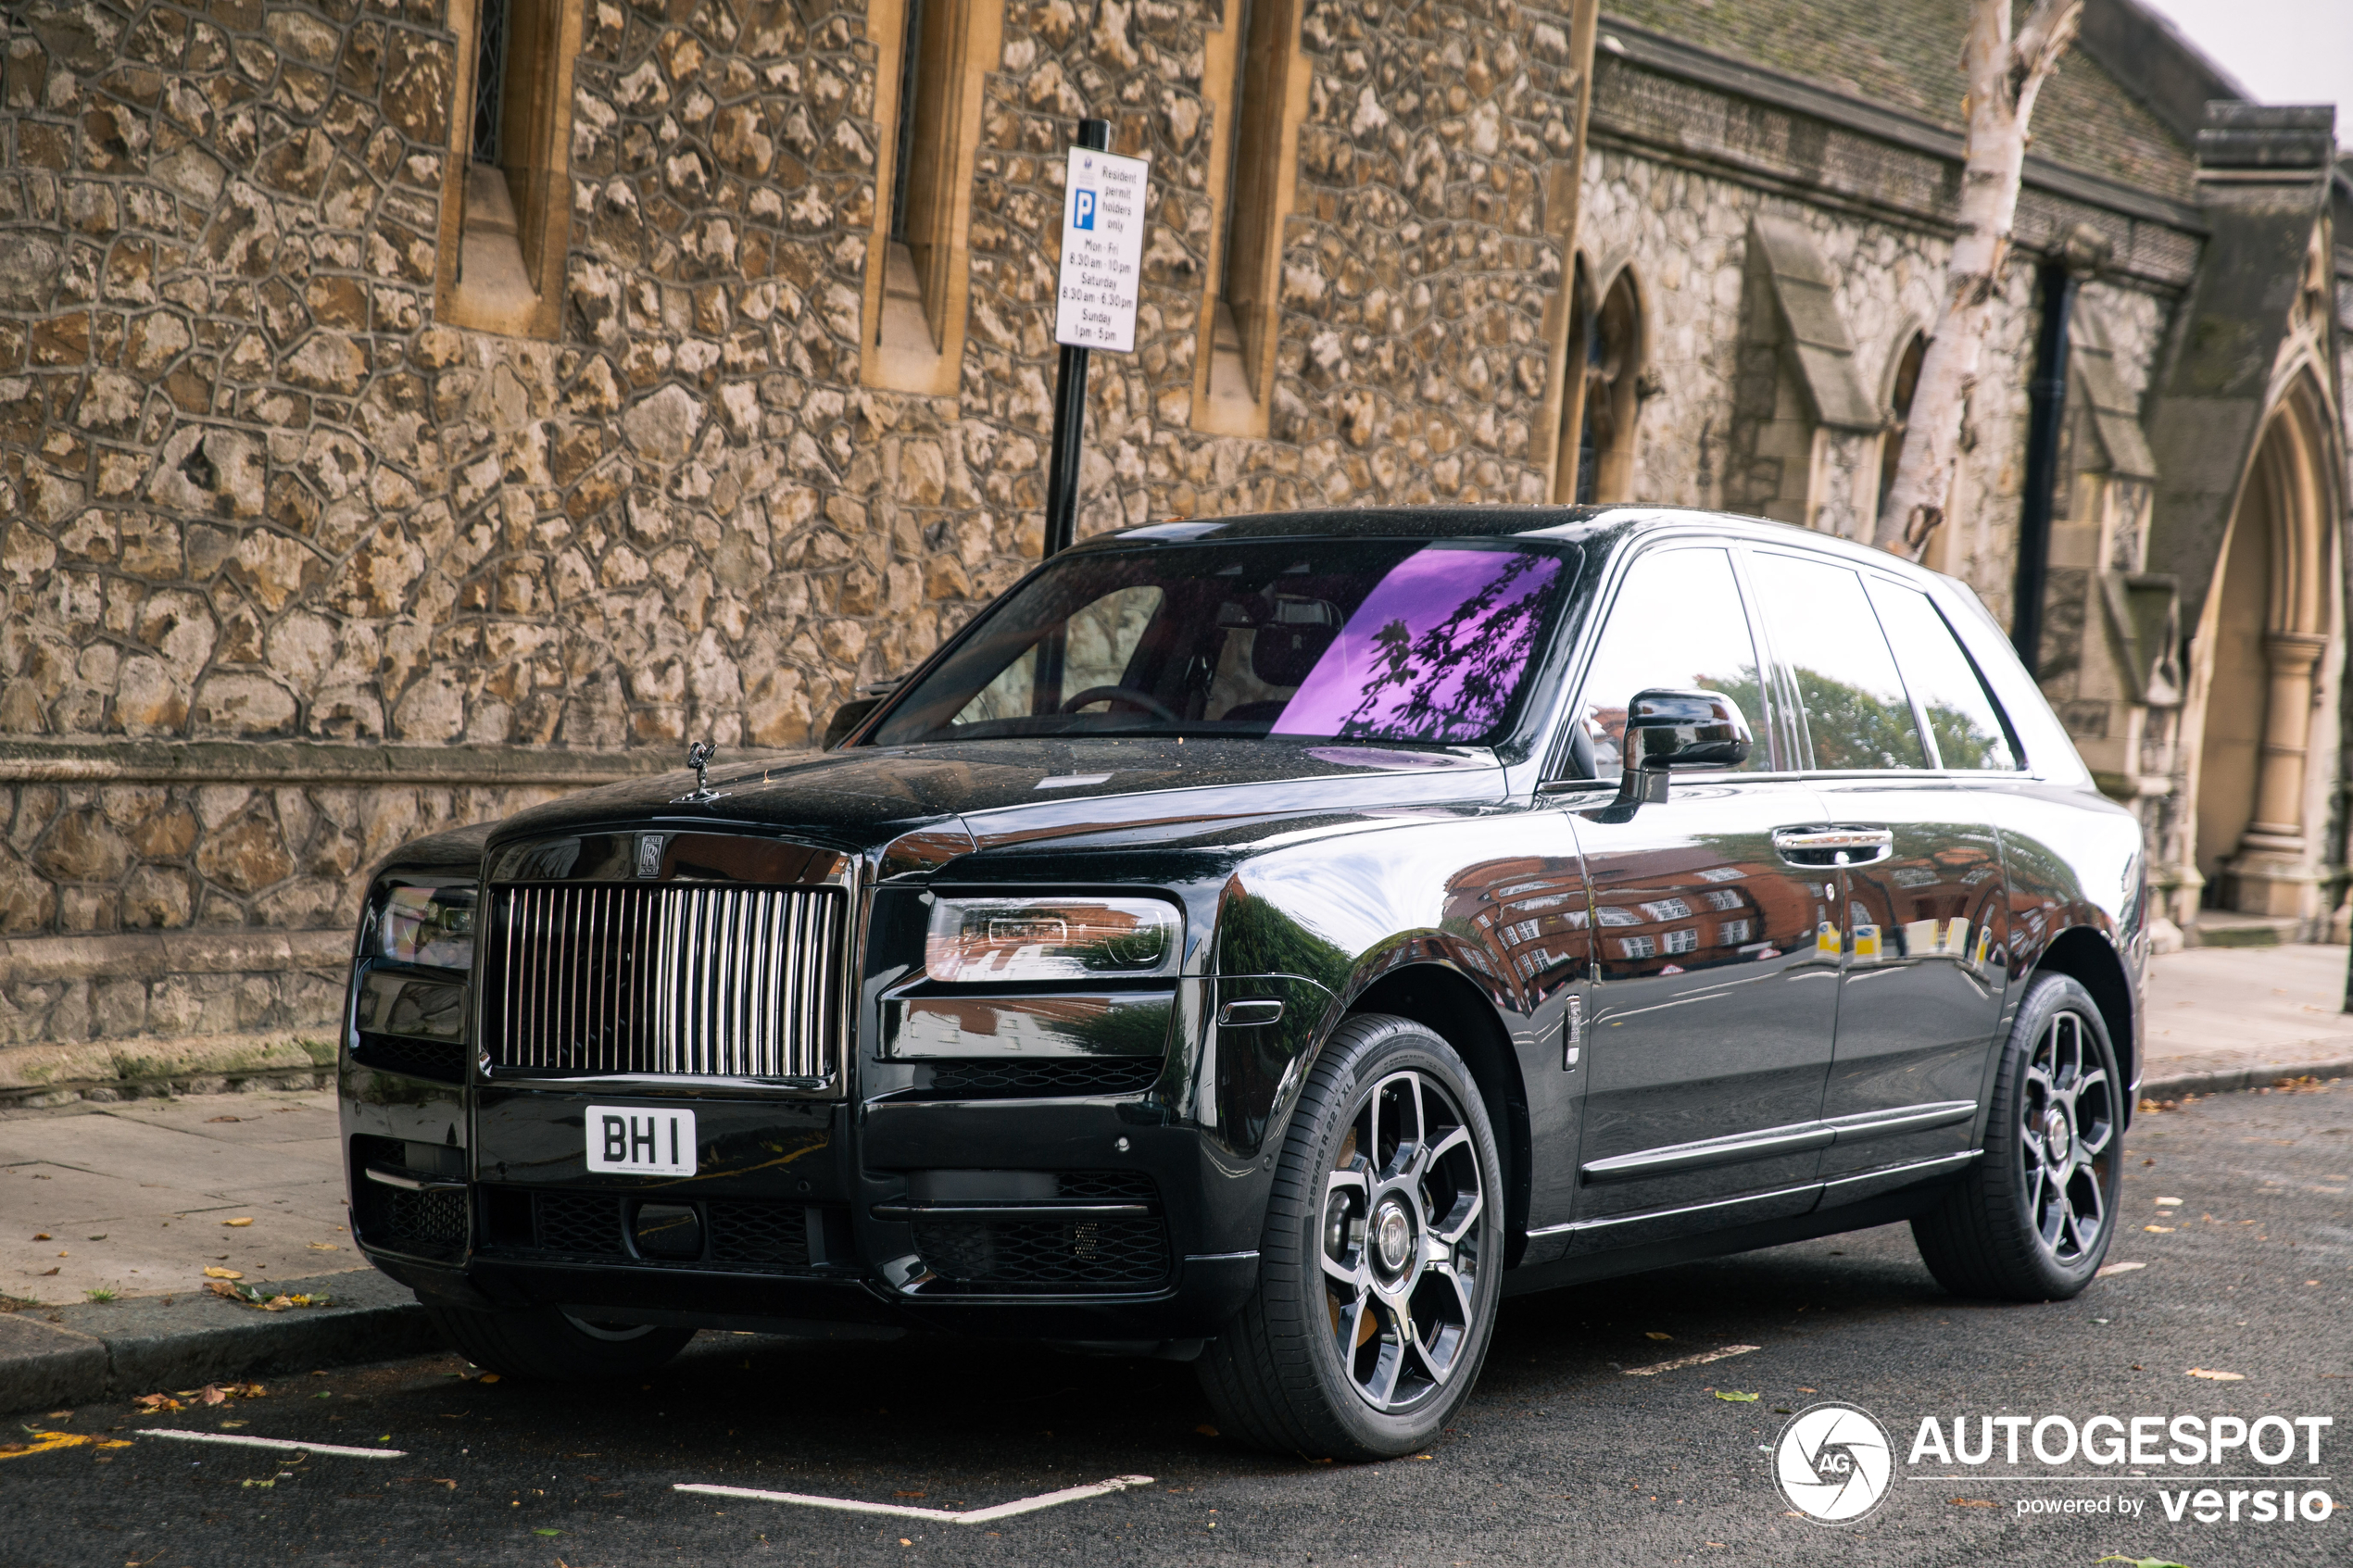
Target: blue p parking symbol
{"points": [[1083, 209]]}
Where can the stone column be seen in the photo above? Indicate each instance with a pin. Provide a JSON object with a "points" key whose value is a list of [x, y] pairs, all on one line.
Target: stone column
{"points": [[2270, 868]]}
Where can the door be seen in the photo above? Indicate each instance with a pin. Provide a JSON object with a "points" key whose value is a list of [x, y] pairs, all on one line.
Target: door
{"points": [[1920, 873], [1715, 960]]}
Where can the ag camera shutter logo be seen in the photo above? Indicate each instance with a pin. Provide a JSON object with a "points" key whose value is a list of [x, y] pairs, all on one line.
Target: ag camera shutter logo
{"points": [[1833, 1462]]}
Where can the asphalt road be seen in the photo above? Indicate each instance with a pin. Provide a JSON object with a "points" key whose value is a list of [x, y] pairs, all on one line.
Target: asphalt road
{"points": [[1561, 1457]]}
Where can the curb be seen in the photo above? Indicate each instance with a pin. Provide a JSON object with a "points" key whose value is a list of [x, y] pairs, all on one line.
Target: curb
{"points": [[2228, 1080], [121, 1350]]}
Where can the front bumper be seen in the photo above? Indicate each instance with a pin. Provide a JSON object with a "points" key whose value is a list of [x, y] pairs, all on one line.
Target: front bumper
{"points": [[1084, 1218]]}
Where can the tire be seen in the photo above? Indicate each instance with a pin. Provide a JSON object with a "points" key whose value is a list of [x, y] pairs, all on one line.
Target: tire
{"points": [[2033, 1217], [540, 1344], [1361, 1248]]}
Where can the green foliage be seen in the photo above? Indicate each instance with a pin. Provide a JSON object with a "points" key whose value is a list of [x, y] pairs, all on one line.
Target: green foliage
{"points": [[1257, 936], [1964, 744], [1853, 729]]}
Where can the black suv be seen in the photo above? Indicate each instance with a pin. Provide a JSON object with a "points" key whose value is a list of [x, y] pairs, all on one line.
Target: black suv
{"points": [[1265, 942]]}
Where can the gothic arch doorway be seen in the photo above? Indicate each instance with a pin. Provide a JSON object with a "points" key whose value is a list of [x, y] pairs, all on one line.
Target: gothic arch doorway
{"points": [[2266, 624]]}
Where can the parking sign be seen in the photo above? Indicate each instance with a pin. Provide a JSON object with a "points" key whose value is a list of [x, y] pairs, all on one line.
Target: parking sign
{"points": [[1103, 250]]}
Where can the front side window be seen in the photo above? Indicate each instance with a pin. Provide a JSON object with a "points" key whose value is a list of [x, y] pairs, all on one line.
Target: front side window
{"points": [[1967, 727], [1676, 622], [1854, 707], [1345, 639]]}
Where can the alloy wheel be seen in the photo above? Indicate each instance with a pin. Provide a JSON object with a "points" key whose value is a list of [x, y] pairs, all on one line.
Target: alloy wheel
{"points": [[1400, 1241], [2068, 1138]]}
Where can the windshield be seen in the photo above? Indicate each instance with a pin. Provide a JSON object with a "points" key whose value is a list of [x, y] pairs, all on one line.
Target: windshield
{"points": [[1329, 639]]}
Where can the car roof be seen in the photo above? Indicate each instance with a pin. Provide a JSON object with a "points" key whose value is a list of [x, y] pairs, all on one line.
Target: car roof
{"points": [[1612, 525]]}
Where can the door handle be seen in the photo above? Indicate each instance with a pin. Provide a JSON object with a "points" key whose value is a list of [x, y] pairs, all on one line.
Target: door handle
{"points": [[1833, 847]]}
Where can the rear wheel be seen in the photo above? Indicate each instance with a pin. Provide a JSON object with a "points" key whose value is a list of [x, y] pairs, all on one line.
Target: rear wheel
{"points": [[2033, 1217], [1381, 1259], [548, 1345]]}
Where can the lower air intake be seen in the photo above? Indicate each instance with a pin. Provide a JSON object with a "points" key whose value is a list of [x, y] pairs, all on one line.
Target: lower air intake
{"points": [[1067, 1256]]}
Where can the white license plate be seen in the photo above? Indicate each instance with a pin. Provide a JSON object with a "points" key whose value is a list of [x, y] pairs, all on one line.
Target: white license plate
{"points": [[639, 1142]]}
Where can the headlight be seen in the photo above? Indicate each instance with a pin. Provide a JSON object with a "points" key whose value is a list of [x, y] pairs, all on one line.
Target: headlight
{"points": [[410, 1005], [426, 923], [1001, 939]]}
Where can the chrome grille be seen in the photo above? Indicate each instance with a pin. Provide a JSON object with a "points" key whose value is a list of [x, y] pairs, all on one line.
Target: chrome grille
{"points": [[702, 981]]}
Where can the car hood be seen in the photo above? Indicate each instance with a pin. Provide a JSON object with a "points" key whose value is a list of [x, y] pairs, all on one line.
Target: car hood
{"points": [[915, 806]]}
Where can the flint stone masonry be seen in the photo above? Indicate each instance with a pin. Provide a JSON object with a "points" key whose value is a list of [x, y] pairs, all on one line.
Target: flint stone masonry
{"points": [[254, 493]]}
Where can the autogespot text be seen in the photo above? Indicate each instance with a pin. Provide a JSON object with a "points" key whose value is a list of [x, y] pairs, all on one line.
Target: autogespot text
{"points": [[2271, 1466]]}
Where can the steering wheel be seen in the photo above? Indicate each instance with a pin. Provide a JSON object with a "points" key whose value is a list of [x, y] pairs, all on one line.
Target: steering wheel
{"points": [[1127, 694]]}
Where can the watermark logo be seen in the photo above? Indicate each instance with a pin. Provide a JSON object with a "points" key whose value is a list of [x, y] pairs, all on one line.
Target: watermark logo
{"points": [[1833, 1462]]}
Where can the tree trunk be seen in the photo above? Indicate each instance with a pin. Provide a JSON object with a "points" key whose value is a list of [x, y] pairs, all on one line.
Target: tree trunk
{"points": [[2005, 73]]}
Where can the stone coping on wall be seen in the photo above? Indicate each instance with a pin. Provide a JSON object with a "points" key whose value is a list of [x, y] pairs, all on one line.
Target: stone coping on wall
{"points": [[108, 1070], [278, 762], [152, 955]]}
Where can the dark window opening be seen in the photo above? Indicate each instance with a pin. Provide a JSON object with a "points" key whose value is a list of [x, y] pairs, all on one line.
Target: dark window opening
{"points": [[490, 84], [910, 87], [1907, 381]]}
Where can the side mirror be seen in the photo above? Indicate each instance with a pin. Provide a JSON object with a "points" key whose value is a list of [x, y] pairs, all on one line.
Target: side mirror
{"points": [[847, 717], [1666, 729]]}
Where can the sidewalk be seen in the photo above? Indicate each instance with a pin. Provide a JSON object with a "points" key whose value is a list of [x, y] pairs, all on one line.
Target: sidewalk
{"points": [[131, 1198], [2235, 1017]]}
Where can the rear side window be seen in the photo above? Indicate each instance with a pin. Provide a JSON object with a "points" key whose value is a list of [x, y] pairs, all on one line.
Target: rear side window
{"points": [[1967, 727], [1852, 705], [1676, 622]]}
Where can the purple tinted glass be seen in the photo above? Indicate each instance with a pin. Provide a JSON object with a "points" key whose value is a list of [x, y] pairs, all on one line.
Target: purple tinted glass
{"points": [[1435, 652]]}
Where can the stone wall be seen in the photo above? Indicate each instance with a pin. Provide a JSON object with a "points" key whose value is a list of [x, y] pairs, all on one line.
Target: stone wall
{"points": [[254, 493]]}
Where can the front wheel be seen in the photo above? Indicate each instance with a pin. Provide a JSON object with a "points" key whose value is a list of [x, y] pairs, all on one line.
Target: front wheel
{"points": [[546, 1345], [2033, 1217], [1381, 1259]]}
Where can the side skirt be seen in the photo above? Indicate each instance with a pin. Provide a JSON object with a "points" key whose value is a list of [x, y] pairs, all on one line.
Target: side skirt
{"points": [[1883, 1209]]}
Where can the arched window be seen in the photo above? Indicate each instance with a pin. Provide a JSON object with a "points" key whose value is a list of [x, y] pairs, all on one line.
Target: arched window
{"points": [[505, 195], [1597, 460], [918, 267], [1255, 78], [1899, 412]]}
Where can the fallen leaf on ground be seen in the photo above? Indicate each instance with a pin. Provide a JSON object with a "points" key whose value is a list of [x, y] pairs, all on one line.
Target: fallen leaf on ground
{"points": [[2139, 1562], [154, 1403], [2169, 1203], [44, 1442], [909, 1494], [1970, 1502], [2108, 1269], [210, 1120], [322, 1247], [247, 1220], [254, 1295], [1736, 1396], [43, 1236], [1207, 1430], [2218, 1376], [47, 1272], [547, 1532], [223, 1274], [1654, 1333], [487, 1377], [2161, 1230]]}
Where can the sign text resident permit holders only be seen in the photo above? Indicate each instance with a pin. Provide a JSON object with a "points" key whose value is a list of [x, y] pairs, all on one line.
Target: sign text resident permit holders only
{"points": [[1103, 250]]}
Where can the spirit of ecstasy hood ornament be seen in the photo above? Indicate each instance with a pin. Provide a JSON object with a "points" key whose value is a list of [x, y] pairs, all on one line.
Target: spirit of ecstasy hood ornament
{"points": [[699, 756]]}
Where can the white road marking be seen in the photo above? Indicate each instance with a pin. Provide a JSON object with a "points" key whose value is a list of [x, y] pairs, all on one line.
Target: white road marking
{"points": [[241, 1440], [1680, 1362], [945, 1516]]}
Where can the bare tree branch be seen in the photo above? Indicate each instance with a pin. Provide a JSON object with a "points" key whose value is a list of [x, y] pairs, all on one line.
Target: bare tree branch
{"points": [[2005, 73]]}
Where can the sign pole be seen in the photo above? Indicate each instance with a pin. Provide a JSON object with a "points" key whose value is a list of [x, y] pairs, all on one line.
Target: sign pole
{"points": [[1070, 403]]}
